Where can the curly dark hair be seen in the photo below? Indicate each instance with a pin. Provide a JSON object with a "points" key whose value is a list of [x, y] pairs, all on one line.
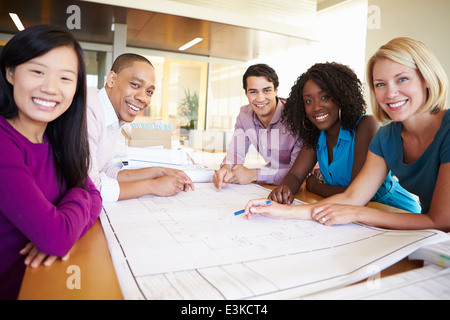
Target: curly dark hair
{"points": [[341, 84]]}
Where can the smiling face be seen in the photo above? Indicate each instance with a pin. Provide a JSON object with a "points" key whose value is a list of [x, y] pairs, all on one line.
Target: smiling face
{"points": [[319, 107], [400, 90], [131, 90], [43, 89], [262, 96]]}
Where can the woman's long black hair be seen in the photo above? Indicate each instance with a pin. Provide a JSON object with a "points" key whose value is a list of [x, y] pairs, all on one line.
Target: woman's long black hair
{"points": [[344, 88], [68, 133]]}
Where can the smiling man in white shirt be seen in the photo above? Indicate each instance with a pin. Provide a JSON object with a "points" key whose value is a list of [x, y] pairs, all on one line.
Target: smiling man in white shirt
{"points": [[128, 90]]}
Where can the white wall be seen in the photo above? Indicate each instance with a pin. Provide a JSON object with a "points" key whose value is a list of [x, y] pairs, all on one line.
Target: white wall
{"points": [[342, 38]]}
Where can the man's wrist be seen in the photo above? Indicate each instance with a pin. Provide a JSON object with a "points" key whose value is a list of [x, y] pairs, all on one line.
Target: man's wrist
{"points": [[255, 175]]}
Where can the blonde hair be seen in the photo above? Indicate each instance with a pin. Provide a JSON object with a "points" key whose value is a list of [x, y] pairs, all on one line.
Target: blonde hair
{"points": [[414, 54]]}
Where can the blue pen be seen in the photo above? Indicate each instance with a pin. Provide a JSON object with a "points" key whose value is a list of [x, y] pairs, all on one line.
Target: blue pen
{"points": [[242, 211]]}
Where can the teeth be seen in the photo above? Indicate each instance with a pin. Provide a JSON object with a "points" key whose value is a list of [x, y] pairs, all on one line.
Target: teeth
{"points": [[396, 105], [321, 117], [48, 104], [133, 107]]}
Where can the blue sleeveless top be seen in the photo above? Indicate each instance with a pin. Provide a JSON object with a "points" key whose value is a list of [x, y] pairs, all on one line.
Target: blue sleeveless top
{"points": [[338, 173]]}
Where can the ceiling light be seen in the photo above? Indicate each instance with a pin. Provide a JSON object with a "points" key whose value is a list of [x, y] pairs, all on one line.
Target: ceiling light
{"points": [[190, 44], [17, 21]]}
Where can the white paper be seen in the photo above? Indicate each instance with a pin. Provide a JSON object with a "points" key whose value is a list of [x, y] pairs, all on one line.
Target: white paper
{"points": [[138, 157], [192, 246], [427, 283]]}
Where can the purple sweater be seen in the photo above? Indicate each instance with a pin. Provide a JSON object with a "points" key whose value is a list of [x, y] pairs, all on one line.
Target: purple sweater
{"points": [[33, 208]]}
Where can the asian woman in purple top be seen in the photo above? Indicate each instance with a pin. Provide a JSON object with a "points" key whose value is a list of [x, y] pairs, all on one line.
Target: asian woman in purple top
{"points": [[47, 200]]}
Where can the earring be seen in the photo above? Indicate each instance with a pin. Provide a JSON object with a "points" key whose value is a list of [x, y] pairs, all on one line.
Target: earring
{"points": [[303, 122]]}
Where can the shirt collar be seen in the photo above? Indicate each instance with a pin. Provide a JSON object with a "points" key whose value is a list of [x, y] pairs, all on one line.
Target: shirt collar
{"points": [[343, 135], [111, 119], [275, 118]]}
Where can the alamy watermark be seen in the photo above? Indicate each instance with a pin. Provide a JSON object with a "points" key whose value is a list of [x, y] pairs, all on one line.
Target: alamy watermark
{"points": [[74, 280], [373, 282], [74, 20], [374, 18]]}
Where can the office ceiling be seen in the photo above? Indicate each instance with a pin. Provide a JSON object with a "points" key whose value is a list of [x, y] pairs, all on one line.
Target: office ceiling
{"points": [[147, 29]]}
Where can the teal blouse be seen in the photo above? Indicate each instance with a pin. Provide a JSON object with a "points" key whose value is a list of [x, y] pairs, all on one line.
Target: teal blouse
{"points": [[418, 177]]}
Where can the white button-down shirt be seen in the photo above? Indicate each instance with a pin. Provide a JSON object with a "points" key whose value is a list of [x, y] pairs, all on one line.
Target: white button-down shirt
{"points": [[103, 130]]}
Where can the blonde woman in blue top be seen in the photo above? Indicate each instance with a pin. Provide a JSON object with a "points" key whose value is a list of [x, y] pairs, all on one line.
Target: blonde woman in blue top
{"points": [[326, 109], [409, 88]]}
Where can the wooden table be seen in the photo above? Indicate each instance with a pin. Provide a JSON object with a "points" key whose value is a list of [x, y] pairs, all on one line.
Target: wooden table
{"points": [[95, 272], [97, 277]]}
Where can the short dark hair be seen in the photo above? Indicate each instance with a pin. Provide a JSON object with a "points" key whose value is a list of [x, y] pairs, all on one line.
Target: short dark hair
{"points": [[68, 133], [261, 70], [126, 60]]}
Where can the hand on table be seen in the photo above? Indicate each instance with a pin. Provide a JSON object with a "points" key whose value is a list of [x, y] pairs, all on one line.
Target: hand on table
{"points": [[35, 258], [282, 194]]}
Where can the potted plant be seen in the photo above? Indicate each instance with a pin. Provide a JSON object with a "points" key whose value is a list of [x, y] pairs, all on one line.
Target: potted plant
{"points": [[188, 108]]}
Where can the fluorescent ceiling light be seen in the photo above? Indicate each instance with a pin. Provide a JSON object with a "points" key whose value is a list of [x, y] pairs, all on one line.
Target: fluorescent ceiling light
{"points": [[17, 21], [190, 44]]}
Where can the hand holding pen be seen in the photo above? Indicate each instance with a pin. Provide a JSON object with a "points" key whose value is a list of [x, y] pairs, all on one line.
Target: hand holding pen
{"points": [[243, 210], [266, 208]]}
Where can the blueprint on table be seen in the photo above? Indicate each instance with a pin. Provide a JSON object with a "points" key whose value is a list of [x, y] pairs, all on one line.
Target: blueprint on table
{"points": [[192, 246]]}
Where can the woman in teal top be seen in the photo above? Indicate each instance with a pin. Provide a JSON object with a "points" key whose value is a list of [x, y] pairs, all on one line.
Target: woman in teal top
{"points": [[421, 175], [409, 89], [326, 110]]}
